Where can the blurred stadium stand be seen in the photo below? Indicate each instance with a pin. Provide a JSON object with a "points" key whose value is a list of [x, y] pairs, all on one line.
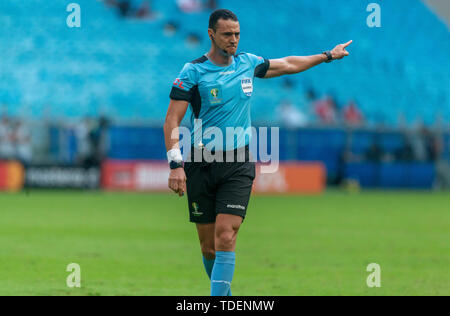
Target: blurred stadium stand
{"points": [[125, 67], [122, 68]]}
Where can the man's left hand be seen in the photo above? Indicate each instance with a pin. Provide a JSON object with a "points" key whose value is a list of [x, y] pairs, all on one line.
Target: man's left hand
{"points": [[339, 51]]}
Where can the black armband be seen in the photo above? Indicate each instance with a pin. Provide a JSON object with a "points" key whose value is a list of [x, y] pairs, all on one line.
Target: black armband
{"points": [[261, 70], [180, 94]]}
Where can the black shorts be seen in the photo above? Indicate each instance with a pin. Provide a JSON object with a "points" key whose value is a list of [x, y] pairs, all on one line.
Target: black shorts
{"points": [[218, 188]]}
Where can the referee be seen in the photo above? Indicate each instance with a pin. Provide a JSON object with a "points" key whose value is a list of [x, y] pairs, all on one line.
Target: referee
{"points": [[219, 86]]}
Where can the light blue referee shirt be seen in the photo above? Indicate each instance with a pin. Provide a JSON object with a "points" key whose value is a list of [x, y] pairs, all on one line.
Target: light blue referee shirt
{"points": [[220, 97]]}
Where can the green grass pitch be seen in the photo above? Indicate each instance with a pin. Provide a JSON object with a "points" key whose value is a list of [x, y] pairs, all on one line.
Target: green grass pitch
{"points": [[143, 244]]}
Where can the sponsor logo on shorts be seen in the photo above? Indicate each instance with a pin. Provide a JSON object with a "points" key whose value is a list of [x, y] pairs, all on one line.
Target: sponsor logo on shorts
{"points": [[196, 212], [240, 207]]}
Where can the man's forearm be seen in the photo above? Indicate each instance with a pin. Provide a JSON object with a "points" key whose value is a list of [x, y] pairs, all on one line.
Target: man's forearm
{"points": [[301, 63], [171, 134]]}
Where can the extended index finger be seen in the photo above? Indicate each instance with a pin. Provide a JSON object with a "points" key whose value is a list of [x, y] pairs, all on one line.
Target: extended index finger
{"points": [[348, 43]]}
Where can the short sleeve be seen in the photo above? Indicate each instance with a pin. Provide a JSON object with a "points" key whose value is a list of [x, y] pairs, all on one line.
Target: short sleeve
{"points": [[182, 88], [260, 64]]}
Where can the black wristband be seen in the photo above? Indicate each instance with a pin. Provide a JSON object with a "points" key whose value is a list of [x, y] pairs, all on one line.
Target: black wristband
{"points": [[329, 56], [175, 165]]}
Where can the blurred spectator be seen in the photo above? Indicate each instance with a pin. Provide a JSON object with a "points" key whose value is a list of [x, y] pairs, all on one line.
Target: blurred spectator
{"points": [[405, 153], [145, 11], [325, 110], [419, 146], [347, 154], [92, 140], [288, 84], [211, 5], [110, 3], [311, 95], [192, 40], [290, 116], [352, 115], [130, 9], [375, 152], [124, 7], [6, 138], [84, 147], [189, 6], [442, 175], [99, 141], [170, 29], [22, 142], [433, 146], [15, 140]]}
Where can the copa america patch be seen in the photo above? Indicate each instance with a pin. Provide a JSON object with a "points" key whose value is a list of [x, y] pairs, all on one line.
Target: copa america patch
{"points": [[247, 86]]}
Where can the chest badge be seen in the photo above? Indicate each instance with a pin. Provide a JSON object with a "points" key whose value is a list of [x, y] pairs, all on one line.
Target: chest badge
{"points": [[247, 86], [215, 93], [215, 96]]}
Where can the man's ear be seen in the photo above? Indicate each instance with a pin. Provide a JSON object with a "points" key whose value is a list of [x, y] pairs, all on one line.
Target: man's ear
{"points": [[210, 33]]}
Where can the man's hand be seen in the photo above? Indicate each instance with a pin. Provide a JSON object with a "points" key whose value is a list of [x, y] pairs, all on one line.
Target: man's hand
{"points": [[339, 51], [177, 181]]}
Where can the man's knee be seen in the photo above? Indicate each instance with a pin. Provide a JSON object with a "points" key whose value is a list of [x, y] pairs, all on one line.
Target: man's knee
{"points": [[227, 227], [225, 239]]}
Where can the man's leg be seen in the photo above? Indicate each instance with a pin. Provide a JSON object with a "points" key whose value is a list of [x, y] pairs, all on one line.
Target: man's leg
{"points": [[201, 202], [206, 236], [226, 230], [206, 233]]}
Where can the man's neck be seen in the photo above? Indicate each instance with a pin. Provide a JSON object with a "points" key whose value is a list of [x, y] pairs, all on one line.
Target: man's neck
{"points": [[219, 58]]}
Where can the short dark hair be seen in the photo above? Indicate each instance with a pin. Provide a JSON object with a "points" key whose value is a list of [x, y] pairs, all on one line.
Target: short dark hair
{"points": [[223, 14]]}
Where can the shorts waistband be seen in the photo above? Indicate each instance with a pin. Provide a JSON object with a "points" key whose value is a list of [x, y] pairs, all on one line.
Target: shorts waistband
{"points": [[202, 155]]}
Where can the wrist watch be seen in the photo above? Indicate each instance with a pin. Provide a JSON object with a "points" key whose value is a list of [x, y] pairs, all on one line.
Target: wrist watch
{"points": [[175, 165], [329, 56]]}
